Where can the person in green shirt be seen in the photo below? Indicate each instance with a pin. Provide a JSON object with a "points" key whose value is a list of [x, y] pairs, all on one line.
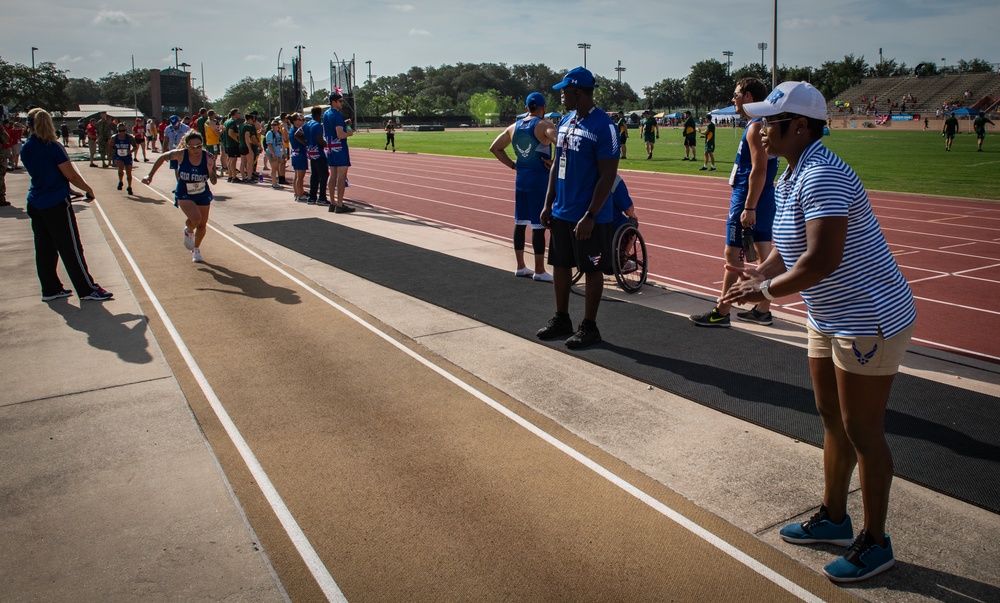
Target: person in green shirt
{"points": [[248, 131], [231, 142], [690, 137], [949, 130], [650, 132], [622, 132], [979, 125], [709, 135]]}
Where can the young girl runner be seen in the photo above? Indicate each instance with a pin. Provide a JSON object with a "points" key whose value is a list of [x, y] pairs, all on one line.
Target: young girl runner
{"points": [[121, 148], [195, 168]]}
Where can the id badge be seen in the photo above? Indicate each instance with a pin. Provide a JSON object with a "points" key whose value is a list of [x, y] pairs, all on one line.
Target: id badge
{"points": [[562, 167]]}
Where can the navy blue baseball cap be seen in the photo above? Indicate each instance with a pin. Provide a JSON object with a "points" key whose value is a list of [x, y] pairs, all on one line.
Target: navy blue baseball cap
{"points": [[535, 97], [581, 77], [174, 119]]}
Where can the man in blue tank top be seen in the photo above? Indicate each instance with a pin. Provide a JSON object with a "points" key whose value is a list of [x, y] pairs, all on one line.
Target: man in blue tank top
{"points": [[532, 138], [751, 208], [576, 207]]}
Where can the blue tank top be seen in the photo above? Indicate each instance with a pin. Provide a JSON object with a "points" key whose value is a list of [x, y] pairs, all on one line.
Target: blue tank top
{"points": [[192, 180], [532, 175], [123, 148], [740, 176]]}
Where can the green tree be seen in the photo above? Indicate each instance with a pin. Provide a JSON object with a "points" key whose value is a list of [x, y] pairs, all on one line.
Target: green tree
{"points": [[974, 66], [485, 106], [44, 86], [318, 97], [757, 70], [83, 91], [833, 77], [708, 85], [665, 94], [128, 89], [612, 95]]}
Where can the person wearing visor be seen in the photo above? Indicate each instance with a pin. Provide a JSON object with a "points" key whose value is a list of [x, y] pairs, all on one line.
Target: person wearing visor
{"points": [[576, 210], [829, 248]]}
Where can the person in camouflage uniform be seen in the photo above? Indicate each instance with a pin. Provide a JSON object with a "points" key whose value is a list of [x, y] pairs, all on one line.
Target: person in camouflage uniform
{"points": [[4, 139]]}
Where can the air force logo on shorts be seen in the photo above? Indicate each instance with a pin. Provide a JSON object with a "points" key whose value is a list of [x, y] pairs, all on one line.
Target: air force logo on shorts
{"points": [[862, 358]]}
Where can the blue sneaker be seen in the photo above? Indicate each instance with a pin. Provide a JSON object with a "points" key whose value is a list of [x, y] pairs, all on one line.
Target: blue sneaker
{"points": [[60, 294], [863, 559], [819, 530]]}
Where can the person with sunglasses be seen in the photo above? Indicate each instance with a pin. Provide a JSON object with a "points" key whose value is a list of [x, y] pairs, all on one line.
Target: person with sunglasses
{"points": [[829, 248], [121, 147], [299, 157], [337, 130], [751, 206], [195, 169], [576, 210]]}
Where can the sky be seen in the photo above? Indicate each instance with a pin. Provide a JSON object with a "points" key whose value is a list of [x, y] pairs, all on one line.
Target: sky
{"points": [[653, 39]]}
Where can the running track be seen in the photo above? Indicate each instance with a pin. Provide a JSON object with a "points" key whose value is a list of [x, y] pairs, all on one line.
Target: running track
{"points": [[948, 249]]}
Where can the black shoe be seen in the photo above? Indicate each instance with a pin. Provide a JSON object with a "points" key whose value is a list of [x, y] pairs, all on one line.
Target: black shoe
{"points": [[755, 315], [120, 186], [711, 319], [703, 168], [129, 190], [341, 209], [559, 326], [587, 334]]}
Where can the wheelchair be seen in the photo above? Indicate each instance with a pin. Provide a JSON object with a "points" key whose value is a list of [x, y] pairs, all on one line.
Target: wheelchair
{"points": [[628, 260]]}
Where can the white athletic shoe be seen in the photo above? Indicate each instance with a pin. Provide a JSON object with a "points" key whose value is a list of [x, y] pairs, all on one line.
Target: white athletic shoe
{"points": [[524, 272], [196, 255], [188, 240], [543, 277]]}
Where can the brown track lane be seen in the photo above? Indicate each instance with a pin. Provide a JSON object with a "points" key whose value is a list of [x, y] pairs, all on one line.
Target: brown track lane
{"points": [[408, 487]]}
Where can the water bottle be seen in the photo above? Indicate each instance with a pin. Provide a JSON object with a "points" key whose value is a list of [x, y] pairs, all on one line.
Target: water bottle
{"points": [[260, 178]]}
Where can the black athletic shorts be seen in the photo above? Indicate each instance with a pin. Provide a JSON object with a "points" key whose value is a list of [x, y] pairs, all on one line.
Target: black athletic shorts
{"points": [[592, 255]]}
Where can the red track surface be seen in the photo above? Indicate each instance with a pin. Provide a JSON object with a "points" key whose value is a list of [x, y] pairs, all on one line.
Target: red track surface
{"points": [[948, 249]]}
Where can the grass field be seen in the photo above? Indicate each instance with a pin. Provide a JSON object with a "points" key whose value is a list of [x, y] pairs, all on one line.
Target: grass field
{"points": [[911, 161]]}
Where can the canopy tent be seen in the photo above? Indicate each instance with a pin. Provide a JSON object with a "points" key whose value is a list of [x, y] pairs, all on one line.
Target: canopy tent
{"points": [[553, 115], [963, 112], [677, 115], [730, 110]]}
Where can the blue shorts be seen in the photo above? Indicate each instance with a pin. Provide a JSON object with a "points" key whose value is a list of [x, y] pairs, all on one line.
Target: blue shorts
{"points": [[126, 160], [341, 158], [200, 202], [528, 208], [300, 162], [762, 230]]}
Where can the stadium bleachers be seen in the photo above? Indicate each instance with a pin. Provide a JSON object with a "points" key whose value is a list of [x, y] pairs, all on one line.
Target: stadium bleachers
{"points": [[930, 92]]}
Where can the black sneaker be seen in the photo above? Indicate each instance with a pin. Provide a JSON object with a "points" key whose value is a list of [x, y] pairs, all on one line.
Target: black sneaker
{"points": [[99, 294], [129, 190], [559, 326], [120, 186], [756, 316], [587, 334], [341, 209], [57, 295], [710, 319]]}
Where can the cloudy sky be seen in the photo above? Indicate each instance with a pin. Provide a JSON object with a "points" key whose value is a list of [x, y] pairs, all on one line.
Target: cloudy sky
{"points": [[653, 39]]}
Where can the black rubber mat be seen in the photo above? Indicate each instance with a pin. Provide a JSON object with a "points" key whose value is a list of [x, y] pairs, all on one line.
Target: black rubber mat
{"points": [[943, 437]]}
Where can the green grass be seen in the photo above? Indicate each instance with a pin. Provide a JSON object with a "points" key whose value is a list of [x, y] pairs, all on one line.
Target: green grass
{"points": [[911, 161]]}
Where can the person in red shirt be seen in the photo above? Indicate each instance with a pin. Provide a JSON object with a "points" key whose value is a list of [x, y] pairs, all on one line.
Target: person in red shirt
{"points": [[139, 132], [15, 132], [161, 127], [92, 140]]}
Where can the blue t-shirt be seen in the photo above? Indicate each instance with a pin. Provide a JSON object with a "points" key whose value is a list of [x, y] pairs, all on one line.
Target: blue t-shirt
{"points": [[123, 147], [296, 146], [583, 142], [532, 175], [48, 187], [331, 119], [312, 130], [866, 293]]}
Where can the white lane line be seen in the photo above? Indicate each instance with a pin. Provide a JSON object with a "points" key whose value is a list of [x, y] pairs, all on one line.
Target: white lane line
{"points": [[658, 506], [298, 537]]}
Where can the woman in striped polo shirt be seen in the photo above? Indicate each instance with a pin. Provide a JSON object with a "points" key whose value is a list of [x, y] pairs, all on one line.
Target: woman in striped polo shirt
{"points": [[829, 247]]}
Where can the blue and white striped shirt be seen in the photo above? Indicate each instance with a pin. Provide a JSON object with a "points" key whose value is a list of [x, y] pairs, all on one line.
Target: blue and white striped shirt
{"points": [[867, 292]]}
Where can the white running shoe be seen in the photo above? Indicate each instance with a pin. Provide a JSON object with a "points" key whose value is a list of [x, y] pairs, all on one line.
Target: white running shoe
{"points": [[188, 240], [543, 277], [196, 255], [524, 272]]}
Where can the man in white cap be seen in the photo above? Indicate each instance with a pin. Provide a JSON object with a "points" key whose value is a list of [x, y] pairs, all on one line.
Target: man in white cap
{"points": [[532, 138]]}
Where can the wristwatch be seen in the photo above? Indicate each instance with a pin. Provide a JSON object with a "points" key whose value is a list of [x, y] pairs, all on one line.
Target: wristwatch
{"points": [[764, 290], [590, 215]]}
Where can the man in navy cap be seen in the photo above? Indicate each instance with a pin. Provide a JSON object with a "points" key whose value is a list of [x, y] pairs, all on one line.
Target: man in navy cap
{"points": [[173, 135], [576, 208]]}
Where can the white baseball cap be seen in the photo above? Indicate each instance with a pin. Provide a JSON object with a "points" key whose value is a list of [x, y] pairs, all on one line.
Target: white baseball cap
{"points": [[798, 98]]}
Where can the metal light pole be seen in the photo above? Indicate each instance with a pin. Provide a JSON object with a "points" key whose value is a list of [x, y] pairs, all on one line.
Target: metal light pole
{"points": [[312, 86], [281, 85], [762, 46], [34, 48], [203, 80], [177, 64], [774, 49], [585, 48], [619, 69], [369, 63], [729, 59], [185, 66]]}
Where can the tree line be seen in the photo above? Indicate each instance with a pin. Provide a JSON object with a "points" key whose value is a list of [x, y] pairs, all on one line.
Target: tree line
{"points": [[461, 89]]}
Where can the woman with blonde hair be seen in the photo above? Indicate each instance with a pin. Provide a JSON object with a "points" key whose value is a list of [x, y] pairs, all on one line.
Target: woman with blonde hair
{"points": [[52, 219], [195, 168]]}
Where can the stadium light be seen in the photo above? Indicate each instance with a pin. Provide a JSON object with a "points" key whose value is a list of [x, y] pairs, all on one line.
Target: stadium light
{"points": [[762, 46], [34, 48], [177, 63], [585, 48], [619, 69], [729, 59]]}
